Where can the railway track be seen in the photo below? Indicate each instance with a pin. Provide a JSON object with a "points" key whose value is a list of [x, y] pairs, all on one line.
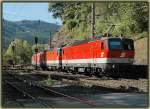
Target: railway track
{"points": [[27, 86], [134, 72], [122, 84], [8, 89], [135, 84], [31, 80], [26, 93], [25, 89]]}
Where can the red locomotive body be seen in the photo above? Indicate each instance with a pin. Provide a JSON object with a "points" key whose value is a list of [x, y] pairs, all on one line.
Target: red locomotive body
{"points": [[98, 55], [101, 54], [46, 59], [36, 59]]}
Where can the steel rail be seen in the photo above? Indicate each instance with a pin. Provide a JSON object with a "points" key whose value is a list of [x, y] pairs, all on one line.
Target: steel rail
{"points": [[29, 95], [70, 97], [15, 99], [59, 93]]}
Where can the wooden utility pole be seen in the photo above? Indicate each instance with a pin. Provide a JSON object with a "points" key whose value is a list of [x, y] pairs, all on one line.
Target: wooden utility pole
{"points": [[50, 40], [93, 21]]}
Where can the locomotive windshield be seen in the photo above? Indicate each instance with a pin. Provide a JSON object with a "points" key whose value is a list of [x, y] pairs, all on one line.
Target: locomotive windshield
{"points": [[115, 44], [128, 44], [118, 44]]}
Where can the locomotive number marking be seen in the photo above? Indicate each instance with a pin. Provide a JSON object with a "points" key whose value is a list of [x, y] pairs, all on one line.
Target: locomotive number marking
{"points": [[102, 54], [123, 54]]}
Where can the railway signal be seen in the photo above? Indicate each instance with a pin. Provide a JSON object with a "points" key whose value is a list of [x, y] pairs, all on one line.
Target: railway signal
{"points": [[36, 49], [36, 40], [13, 49]]}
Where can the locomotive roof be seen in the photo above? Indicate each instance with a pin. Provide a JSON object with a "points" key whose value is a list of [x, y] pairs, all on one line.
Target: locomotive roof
{"points": [[91, 40]]}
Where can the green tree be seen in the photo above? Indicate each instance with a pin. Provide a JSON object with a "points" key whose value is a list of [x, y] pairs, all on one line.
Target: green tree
{"points": [[129, 17], [22, 53]]}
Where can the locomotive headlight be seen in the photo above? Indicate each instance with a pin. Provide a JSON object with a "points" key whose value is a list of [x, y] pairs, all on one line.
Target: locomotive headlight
{"points": [[130, 60], [113, 66]]}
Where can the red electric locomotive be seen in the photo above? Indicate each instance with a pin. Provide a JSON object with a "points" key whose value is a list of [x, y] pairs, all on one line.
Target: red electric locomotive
{"points": [[91, 56], [46, 59]]}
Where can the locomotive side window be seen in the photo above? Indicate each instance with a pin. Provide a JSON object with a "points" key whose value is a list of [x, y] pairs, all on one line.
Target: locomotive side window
{"points": [[63, 51], [128, 44]]}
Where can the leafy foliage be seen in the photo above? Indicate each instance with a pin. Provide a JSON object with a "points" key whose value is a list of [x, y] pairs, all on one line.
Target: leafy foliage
{"points": [[129, 17], [23, 52]]}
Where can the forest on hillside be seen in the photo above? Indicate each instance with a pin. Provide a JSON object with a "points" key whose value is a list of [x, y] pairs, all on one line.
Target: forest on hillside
{"points": [[23, 33], [129, 18], [27, 30]]}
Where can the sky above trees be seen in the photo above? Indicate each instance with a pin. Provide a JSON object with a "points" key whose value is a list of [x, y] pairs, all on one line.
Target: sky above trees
{"points": [[16, 11]]}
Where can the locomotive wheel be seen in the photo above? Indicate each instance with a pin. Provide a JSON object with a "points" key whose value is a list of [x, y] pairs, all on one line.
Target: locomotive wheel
{"points": [[94, 71], [114, 73], [67, 70], [88, 71], [75, 70], [43, 68], [72, 71], [52, 69], [98, 72]]}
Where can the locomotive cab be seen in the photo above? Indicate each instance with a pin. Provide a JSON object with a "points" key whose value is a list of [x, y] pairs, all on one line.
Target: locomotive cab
{"points": [[119, 53], [120, 44], [120, 48]]}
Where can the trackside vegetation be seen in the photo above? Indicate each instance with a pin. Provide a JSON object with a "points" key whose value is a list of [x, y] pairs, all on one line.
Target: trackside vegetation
{"points": [[129, 18], [22, 53]]}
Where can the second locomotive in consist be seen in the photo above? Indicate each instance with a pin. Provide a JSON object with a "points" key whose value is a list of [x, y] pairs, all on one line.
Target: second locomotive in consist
{"points": [[97, 56]]}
